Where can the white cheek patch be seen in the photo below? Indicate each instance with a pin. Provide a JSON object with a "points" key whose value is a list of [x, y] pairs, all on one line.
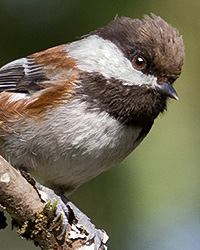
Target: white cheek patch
{"points": [[94, 54], [147, 80]]}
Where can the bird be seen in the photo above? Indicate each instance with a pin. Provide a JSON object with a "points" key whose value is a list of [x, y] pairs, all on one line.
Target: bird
{"points": [[73, 111]]}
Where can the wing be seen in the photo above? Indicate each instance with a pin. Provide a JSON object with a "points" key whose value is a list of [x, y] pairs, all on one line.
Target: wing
{"points": [[22, 75], [51, 70], [28, 74]]}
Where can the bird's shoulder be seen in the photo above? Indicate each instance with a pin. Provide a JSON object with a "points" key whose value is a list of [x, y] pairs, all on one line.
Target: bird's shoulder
{"points": [[36, 71], [37, 82]]}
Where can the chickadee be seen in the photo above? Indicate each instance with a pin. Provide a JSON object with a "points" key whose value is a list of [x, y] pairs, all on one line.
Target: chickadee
{"points": [[70, 112]]}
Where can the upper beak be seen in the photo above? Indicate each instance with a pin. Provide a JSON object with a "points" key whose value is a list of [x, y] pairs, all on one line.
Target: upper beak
{"points": [[168, 90]]}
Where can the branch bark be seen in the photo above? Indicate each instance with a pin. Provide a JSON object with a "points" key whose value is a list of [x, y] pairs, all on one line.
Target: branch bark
{"points": [[37, 220]]}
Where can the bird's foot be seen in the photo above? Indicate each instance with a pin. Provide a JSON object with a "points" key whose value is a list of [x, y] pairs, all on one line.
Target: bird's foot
{"points": [[76, 226]]}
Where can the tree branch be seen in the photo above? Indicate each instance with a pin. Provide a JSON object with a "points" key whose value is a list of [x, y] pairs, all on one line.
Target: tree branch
{"points": [[37, 220]]}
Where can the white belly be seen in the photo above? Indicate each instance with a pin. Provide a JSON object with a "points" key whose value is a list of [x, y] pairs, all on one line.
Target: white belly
{"points": [[72, 146]]}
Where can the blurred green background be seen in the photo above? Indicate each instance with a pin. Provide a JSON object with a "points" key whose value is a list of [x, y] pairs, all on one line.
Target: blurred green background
{"points": [[151, 201]]}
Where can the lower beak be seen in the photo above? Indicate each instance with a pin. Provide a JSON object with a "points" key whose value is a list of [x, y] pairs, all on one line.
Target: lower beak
{"points": [[168, 90]]}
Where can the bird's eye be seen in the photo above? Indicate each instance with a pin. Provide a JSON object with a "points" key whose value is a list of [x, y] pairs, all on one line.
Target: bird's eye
{"points": [[138, 62]]}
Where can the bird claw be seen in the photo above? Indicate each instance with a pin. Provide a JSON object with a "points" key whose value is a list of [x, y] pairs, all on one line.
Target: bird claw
{"points": [[85, 228], [73, 222]]}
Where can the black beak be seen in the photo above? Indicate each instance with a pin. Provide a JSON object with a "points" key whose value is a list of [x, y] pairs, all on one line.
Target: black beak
{"points": [[168, 90]]}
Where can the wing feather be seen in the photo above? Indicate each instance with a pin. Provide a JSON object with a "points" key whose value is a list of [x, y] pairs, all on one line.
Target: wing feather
{"points": [[35, 72], [22, 75]]}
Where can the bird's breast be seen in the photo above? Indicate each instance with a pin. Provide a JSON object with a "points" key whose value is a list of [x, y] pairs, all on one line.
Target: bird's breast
{"points": [[72, 146]]}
